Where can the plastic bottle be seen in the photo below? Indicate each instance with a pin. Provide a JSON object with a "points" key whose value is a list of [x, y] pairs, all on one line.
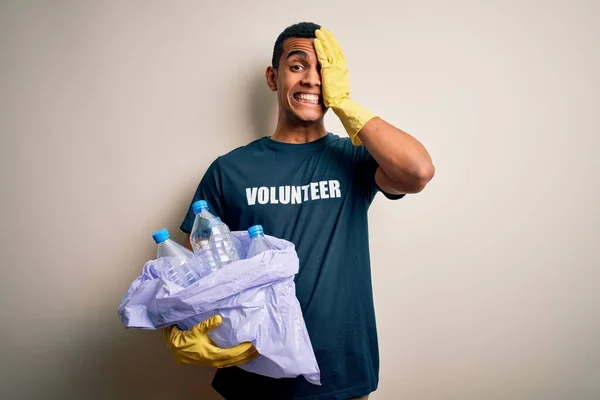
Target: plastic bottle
{"points": [[236, 242], [211, 239], [259, 242], [174, 262]]}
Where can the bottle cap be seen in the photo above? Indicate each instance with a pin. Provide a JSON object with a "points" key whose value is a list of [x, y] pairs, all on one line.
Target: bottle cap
{"points": [[199, 205], [255, 230], [161, 235]]}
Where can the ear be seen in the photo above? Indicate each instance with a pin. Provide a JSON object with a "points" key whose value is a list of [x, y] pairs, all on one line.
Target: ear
{"points": [[271, 76]]}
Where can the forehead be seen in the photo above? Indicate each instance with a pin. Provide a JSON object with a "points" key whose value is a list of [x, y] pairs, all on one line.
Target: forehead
{"points": [[301, 44]]}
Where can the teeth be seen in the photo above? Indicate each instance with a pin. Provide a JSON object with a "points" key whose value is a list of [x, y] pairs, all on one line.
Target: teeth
{"points": [[310, 98]]}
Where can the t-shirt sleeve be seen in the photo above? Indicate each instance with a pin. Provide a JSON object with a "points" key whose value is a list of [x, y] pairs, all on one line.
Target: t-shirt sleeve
{"points": [[367, 167], [210, 190]]}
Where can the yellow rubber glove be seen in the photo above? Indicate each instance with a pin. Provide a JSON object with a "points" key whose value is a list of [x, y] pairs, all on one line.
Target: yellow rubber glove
{"points": [[194, 346], [335, 85]]}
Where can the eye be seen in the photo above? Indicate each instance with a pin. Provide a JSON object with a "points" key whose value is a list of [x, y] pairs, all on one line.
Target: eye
{"points": [[297, 67]]}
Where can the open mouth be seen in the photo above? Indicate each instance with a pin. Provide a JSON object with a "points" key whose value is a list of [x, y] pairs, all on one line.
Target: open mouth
{"points": [[309, 99]]}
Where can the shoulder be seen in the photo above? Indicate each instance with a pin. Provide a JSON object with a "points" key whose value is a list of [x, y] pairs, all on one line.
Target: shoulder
{"points": [[336, 141], [342, 147], [234, 157], [241, 153]]}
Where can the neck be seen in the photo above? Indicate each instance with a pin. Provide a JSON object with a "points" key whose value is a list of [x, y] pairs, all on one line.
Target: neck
{"points": [[300, 132]]}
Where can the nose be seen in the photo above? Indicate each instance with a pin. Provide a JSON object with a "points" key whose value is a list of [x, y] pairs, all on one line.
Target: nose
{"points": [[312, 77]]}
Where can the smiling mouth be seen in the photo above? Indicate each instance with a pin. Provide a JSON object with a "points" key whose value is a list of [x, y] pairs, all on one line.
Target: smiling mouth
{"points": [[310, 99]]}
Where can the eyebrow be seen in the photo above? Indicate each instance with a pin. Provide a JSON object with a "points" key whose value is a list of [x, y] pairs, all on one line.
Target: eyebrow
{"points": [[301, 53]]}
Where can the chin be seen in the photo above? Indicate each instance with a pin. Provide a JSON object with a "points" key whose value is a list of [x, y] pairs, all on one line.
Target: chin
{"points": [[313, 115], [308, 119], [304, 116]]}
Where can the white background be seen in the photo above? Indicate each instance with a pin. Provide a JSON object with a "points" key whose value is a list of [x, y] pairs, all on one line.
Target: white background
{"points": [[486, 284]]}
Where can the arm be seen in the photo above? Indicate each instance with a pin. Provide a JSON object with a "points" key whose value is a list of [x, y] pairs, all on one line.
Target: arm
{"points": [[404, 164], [209, 189], [187, 242]]}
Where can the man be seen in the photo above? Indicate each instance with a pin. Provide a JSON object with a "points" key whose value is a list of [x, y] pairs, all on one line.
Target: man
{"points": [[313, 188]]}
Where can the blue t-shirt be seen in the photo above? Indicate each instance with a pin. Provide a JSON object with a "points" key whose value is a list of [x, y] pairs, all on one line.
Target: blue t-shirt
{"points": [[315, 195]]}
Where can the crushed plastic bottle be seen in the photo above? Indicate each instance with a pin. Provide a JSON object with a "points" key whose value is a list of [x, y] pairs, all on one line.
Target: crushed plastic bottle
{"points": [[174, 262], [259, 242], [211, 239]]}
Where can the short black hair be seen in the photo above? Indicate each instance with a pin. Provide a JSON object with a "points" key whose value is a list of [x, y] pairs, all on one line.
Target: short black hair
{"points": [[305, 30]]}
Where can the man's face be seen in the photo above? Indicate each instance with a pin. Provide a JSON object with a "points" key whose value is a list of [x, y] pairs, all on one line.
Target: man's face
{"points": [[298, 81]]}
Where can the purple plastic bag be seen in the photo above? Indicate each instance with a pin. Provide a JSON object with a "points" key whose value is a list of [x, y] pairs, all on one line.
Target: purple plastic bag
{"points": [[256, 298]]}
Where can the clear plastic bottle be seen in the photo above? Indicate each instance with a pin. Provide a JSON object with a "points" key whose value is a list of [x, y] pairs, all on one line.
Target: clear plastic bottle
{"points": [[259, 242], [211, 239], [236, 242], [174, 262]]}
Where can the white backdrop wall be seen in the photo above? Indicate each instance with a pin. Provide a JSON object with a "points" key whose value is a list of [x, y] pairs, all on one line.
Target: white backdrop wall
{"points": [[486, 284]]}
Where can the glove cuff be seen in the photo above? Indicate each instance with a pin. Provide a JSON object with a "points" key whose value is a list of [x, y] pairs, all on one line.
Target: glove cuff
{"points": [[353, 118]]}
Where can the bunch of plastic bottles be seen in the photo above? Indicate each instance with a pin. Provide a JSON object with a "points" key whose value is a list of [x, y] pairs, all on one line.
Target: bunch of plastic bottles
{"points": [[213, 247]]}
